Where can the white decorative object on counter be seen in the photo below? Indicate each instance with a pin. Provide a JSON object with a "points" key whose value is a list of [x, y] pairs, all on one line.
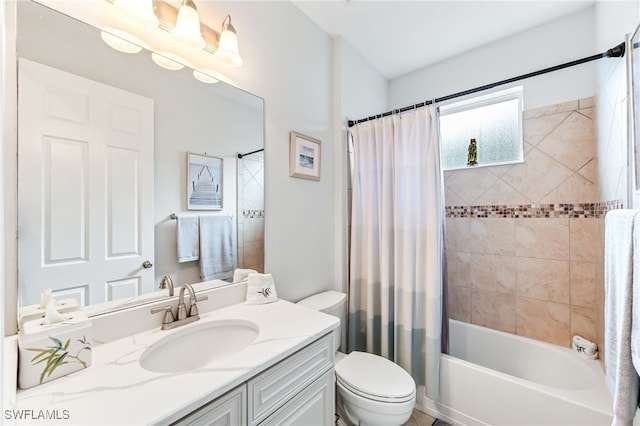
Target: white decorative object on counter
{"points": [[261, 289], [35, 312], [49, 351]]}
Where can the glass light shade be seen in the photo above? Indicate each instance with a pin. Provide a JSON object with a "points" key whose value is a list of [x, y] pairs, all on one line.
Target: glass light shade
{"points": [[228, 51], [140, 10], [119, 41], [187, 29], [167, 61], [204, 77]]}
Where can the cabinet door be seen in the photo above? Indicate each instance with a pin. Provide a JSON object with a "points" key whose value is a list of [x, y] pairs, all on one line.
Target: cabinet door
{"points": [[228, 410], [271, 389], [315, 405]]}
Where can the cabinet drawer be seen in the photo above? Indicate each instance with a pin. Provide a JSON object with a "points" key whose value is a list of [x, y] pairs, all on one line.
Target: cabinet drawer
{"points": [[228, 410], [272, 388]]}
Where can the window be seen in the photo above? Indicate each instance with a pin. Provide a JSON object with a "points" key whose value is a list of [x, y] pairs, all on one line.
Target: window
{"points": [[494, 121]]}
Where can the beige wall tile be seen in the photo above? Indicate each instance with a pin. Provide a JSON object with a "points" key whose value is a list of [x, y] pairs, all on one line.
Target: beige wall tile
{"points": [[451, 199], [590, 172], [576, 189], [587, 102], [493, 310], [460, 303], [583, 284], [501, 193], [493, 236], [470, 184], [542, 238], [458, 232], [583, 239], [537, 128], [491, 272], [572, 143], [546, 321], [583, 323], [458, 268], [552, 109], [543, 279], [588, 112], [537, 176]]}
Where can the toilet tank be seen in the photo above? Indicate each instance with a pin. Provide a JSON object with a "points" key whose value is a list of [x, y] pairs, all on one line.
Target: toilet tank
{"points": [[332, 303]]}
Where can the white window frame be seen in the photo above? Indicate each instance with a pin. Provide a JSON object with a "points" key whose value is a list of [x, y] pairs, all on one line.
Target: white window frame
{"points": [[516, 92]]}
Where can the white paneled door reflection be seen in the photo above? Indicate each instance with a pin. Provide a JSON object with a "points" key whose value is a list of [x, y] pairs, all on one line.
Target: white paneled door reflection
{"points": [[85, 188]]}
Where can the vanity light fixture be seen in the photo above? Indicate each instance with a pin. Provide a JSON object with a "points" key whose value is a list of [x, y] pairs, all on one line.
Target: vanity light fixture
{"points": [[168, 61], [119, 43], [140, 10], [228, 51], [187, 28], [176, 34]]}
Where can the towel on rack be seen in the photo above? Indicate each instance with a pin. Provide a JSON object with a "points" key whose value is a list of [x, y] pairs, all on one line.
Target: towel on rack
{"points": [[621, 228], [187, 238], [216, 247]]}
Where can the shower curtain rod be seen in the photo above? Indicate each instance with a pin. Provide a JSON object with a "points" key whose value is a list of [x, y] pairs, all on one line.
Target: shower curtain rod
{"points": [[615, 52], [249, 153]]}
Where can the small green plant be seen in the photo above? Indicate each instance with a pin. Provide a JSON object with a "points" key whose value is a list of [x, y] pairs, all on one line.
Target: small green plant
{"points": [[57, 355], [265, 292]]}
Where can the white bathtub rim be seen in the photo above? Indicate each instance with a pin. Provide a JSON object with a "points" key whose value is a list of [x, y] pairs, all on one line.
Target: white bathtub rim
{"points": [[583, 366], [583, 397]]}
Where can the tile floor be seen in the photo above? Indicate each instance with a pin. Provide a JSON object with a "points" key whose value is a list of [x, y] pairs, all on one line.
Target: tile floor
{"points": [[418, 418]]}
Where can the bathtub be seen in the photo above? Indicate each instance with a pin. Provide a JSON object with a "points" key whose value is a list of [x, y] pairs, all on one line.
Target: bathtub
{"points": [[497, 378]]}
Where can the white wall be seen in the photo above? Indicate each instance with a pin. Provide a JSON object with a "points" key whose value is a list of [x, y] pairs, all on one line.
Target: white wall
{"points": [[364, 91], [557, 42], [288, 62]]}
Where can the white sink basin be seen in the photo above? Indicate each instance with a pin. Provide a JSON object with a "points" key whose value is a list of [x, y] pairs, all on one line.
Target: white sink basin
{"points": [[198, 344]]}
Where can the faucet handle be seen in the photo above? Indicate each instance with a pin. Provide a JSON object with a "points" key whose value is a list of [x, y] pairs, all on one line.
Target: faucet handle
{"points": [[182, 311], [168, 314], [193, 307]]}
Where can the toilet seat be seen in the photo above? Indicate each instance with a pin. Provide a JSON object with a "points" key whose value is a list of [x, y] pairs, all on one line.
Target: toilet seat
{"points": [[375, 378]]}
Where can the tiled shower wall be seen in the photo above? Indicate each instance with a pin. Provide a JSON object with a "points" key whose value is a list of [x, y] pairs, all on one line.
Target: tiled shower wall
{"points": [[522, 239], [251, 212]]}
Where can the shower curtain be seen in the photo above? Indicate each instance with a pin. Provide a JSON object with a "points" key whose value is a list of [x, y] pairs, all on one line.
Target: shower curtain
{"points": [[397, 243]]}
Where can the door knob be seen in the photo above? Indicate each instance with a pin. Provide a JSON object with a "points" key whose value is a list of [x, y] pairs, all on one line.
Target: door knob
{"points": [[146, 264]]}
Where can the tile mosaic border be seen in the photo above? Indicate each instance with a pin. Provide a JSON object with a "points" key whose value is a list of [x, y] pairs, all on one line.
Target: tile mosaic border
{"points": [[577, 210]]}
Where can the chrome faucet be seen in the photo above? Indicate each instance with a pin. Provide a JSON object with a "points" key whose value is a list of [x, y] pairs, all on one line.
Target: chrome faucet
{"points": [[183, 315], [165, 282]]}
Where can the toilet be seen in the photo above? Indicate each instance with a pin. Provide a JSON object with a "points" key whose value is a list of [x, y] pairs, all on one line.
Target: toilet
{"points": [[371, 389]]}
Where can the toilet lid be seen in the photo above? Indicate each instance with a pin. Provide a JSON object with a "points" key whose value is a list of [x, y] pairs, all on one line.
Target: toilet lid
{"points": [[375, 377]]}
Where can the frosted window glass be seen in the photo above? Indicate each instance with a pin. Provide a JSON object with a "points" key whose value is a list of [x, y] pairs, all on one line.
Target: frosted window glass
{"points": [[495, 127]]}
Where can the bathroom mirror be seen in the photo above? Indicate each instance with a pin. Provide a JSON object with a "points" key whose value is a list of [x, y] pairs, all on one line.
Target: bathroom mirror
{"points": [[182, 115]]}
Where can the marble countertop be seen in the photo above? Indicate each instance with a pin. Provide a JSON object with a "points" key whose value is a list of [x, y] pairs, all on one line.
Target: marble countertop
{"points": [[115, 390]]}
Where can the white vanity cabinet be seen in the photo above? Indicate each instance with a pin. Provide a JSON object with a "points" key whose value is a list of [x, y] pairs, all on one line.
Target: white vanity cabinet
{"points": [[298, 390], [227, 410]]}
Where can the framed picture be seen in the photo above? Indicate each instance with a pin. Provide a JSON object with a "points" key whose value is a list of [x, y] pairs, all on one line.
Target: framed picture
{"points": [[633, 58], [304, 156], [204, 182]]}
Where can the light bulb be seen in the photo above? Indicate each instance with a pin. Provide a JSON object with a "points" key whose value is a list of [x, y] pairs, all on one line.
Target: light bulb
{"points": [[140, 10], [187, 29], [228, 51]]}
